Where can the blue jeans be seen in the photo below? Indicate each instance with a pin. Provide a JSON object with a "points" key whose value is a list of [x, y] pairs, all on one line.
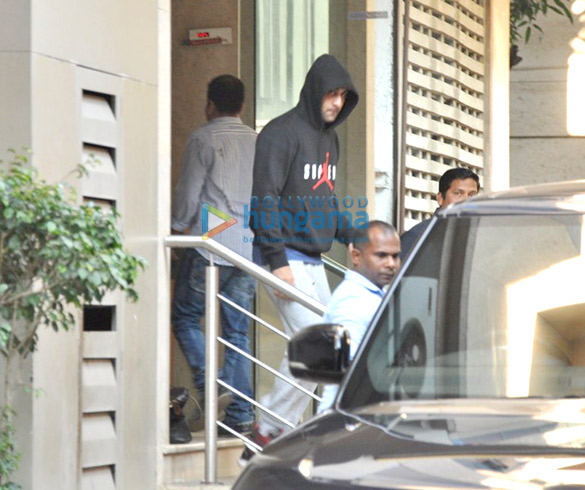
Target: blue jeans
{"points": [[189, 307]]}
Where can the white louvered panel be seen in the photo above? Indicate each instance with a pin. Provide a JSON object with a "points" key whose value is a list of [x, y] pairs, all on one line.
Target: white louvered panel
{"points": [[96, 107], [462, 96], [435, 169], [424, 38], [445, 111], [419, 160], [446, 47], [442, 78], [458, 157], [98, 440], [465, 97], [462, 156], [100, 345], [446, 130], [99, 386], [470, 15], [421, 184], [445, 107], [102, 179], [476, 7], [421, 205], [97, 479], [431, 130], [98, 121], [471, 11], [425, 69], [440, 23]]}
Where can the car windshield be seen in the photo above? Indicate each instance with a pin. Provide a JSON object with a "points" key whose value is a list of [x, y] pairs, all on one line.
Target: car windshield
{"points": [[490, 308]]}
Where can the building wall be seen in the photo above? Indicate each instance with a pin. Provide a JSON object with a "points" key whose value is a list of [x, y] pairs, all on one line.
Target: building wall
{"points": [[194, 66], [15, 132], [540, 148], [15, 74], [50, 53]]}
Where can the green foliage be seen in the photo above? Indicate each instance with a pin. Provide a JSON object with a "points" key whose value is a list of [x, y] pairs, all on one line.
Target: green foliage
{"points": [[53, 253], [524, 14], [9, 456]]}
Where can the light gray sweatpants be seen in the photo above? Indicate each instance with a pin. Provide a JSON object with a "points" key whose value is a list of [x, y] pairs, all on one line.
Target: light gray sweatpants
{"points": [[284, 399]]}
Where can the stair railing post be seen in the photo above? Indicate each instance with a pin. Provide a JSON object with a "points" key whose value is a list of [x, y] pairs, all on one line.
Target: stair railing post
{"points": [[211, 365]]}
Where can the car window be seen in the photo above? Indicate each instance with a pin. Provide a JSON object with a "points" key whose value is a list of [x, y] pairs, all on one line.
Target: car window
{"points": [[490, 307]]}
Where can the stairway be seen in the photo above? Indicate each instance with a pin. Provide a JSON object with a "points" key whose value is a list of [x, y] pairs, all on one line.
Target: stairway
{"points": [[184, 464]]}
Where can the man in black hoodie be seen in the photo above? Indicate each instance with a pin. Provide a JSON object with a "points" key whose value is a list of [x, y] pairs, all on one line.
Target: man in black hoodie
{"points": [[295, 215]]}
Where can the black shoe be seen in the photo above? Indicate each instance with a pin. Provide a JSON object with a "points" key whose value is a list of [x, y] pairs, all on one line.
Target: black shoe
{"points": [[179, 431], [244, 428]]}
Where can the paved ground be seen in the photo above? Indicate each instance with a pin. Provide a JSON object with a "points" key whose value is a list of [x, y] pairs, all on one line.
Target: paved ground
{"points": [[224, 485]]}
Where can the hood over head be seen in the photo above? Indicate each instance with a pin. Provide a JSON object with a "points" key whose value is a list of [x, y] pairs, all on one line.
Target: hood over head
{"points": [[326, 74]]}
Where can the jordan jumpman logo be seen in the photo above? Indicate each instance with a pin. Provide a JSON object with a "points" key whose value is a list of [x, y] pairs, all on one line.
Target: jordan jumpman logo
{"points": [[324, 174]]}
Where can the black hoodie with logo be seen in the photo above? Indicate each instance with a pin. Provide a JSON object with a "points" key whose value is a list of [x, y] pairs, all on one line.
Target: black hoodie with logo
{"points": [[293, 200]]}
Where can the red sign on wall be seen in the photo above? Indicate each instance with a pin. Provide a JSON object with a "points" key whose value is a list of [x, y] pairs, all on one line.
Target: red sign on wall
{"points": [[215, 35]]}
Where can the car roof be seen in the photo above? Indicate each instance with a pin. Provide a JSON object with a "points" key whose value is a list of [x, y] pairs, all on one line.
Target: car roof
{"points": [[550, 198]]}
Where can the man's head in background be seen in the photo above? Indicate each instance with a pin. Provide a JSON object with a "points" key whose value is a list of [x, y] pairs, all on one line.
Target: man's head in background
{"points": [[225, 97], [457, 185], [375, 252]]}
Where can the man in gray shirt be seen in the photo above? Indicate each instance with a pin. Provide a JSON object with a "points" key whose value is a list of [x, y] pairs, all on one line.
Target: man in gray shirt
{"points": [[216, 179]]}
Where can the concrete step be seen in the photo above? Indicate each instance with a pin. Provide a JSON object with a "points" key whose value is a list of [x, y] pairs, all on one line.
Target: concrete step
{"points": [[184, 464]]}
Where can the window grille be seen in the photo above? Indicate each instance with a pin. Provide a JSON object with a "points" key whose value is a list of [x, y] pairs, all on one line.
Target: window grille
{"points": [[445, 87]]}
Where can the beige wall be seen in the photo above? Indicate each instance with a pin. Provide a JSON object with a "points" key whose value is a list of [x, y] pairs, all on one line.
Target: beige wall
{"points": [[540, 148], [55, 143], [194, 66], [115, 37], [15, 74], [49, 52], [143, 343]]}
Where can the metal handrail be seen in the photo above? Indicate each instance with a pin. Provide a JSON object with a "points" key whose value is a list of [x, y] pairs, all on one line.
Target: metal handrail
{"points": [[253, 317], [266, 277], [273, 371], [334, 266], [212, 298]]}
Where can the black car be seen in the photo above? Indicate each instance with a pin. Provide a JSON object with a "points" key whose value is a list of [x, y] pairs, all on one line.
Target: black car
{"points": [[472, 374]]}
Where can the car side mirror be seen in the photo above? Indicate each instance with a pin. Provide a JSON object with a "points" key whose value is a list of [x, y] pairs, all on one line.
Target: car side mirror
{"points": [[319, 353]]}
